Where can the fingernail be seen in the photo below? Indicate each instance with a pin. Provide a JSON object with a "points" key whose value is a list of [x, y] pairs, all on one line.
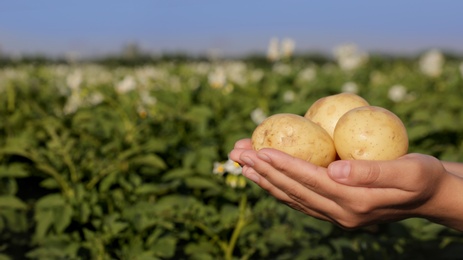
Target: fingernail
{"points": [[339, 170], [253, 177], [248, 161], [264, 157]]}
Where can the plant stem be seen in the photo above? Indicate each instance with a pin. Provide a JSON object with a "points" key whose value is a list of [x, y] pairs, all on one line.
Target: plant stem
{"points": [[240, 224]]}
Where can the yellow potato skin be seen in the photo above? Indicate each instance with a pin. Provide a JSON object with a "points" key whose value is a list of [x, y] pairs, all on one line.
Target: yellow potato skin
{"points": [[297, 136], [326, 111], [370, 133]]}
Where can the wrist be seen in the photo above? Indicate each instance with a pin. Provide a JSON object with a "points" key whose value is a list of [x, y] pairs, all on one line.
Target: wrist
{"points": [[444, 206]]}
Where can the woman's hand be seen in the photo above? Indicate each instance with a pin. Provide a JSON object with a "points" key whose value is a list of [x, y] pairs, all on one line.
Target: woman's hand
{"points": [[357, 193]]}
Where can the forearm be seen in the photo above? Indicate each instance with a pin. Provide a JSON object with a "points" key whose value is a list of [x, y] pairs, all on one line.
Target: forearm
{"points": [[454, 167], [446, 206]]}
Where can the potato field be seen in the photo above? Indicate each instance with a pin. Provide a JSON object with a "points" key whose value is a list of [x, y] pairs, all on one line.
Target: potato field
{"points": [[117, 159]]}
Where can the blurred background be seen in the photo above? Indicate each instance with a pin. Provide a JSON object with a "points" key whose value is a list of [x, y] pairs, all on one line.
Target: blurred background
{"points": [[86, 28], [117, 118]]}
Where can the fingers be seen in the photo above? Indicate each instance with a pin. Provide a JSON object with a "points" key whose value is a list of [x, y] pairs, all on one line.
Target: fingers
{"points": [[405, 173], [291, 180], [243, 144], [284, 197]]}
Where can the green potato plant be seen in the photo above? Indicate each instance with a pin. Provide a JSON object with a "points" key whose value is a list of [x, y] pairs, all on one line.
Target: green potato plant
{"points": [[113, 161]]}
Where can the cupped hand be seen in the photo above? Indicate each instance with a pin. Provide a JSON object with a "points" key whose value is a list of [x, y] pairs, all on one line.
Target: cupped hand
{"points": [[349, 193]]}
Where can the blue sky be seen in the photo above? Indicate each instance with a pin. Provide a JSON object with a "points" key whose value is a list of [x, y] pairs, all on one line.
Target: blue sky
{"points": [[233, 27]]}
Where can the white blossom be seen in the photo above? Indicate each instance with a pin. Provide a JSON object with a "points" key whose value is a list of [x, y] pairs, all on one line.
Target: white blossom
{"points": [[273, 52], [217, 78], [73, 103], [307, 74], [258, 115], [397, 93], [350, 87], [287, 47], [126, 85], [74, 80], [431, 63], [235, 72], [257, 75], [95, 98], [289, 96], [232, 167], [147, 99], [277, 50], [349, 57], [218, 168]]}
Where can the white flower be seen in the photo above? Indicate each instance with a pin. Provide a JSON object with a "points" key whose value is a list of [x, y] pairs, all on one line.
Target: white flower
{"points": [[217, 78], [126, 85], [229, 166], [232, 167], [289, 96], [349, 57], [431, 63], [350, 87], [73, 103], [273, 53], [397, 93], [461, 69], [287, 47], [147, 99], [235, 72], [258, 115], [74, 79], [256, 75], [95, 98], [307, 74], [218, 168]]}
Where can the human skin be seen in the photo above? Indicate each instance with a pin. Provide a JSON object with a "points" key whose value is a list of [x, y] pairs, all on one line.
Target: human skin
{"points": [[357, 193]]}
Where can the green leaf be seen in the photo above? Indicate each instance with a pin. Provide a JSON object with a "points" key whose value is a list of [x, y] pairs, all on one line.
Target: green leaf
{"points": [[9, 201], [179, 173], [148, 188], [228, 214], [149, 160], [108, 181], [170, 202], [113, 225], [200, 249], [201, 183], [63, 217], [323, 227], [84, 212], [50, 201], [13, 170], [154, 145], [14, 220], [44, 219], [49, 183], [165, 247]]}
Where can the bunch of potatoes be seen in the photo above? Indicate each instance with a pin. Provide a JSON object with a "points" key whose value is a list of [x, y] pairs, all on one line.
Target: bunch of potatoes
{"points": [[342, 126]]}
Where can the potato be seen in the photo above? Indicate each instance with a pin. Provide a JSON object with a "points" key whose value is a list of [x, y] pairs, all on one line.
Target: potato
{"points": [[326, 111], [370, 133], [297, 136]]}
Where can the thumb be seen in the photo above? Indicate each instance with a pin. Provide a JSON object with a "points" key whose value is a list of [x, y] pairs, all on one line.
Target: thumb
{"points": [[364, 173]]}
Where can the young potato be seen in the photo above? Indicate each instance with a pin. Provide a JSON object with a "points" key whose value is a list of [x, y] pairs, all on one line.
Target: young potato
{"points": [[370, 133], [297, 136], [326, 111]]}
